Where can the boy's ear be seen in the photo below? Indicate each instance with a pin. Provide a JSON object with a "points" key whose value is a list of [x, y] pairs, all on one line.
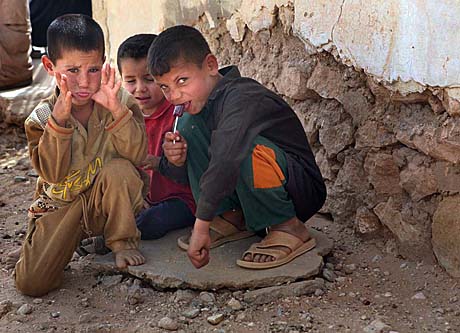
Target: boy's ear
{"points": [[210, 63], [48, 64]]}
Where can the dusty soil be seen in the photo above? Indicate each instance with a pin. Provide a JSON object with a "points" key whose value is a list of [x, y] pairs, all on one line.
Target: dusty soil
{"points": [[371, 287]]}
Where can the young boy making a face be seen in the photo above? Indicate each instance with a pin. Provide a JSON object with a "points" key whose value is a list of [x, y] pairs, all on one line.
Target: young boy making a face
{"points": [[170, 205], [83, 142], [242, 148]]}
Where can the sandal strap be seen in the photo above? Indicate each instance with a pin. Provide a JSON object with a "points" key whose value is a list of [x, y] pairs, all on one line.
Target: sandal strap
{"points": [[223, 227], [275, 239], [280, 238]]}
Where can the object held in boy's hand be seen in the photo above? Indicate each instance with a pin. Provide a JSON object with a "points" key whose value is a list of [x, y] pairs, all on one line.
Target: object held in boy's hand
{"points": [[178, 112]]}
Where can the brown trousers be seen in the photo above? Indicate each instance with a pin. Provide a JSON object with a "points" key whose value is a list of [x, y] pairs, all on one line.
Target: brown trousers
{"points": [[110, 206], [15, 44]]}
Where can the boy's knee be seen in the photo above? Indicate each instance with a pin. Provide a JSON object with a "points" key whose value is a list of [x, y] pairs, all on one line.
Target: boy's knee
{"points": [[32, 285], [119, 171], [118, 167]]}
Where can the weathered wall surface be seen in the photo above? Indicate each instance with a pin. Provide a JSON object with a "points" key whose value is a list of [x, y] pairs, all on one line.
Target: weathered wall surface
{"points": [[375, 85]]}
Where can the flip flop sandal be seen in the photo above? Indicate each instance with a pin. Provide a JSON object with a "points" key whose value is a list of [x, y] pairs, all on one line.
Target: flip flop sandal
{"points": [[270, 246], [223, 232], [95, 245]]}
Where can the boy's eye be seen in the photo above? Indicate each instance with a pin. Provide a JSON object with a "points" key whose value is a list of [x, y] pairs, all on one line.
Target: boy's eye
{"points": [[182, 80], [94, 70], [149, 79], [73, 70], [130, 81], [164, 88]]}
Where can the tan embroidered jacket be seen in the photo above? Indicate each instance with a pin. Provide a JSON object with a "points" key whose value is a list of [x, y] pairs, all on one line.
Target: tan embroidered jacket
{"points": [[67, 159]]}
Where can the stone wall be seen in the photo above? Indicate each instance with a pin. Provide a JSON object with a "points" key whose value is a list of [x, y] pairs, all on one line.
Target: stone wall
{"points": [[375, 90]]}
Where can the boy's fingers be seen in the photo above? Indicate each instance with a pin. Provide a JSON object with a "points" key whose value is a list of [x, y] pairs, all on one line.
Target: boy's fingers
{"points": [[199, 258], [177, 147], [104, 74], [111, 82], [63, 84], [68, 102], [170, 136], [117, 87]]}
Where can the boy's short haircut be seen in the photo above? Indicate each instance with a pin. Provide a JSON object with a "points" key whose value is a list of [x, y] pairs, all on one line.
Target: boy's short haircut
{"points": [[135, 47], [74, 32], [176, 43]]}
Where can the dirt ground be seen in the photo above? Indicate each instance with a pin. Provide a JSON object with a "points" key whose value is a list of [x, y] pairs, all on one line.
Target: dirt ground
{"points": [[372, 290]]}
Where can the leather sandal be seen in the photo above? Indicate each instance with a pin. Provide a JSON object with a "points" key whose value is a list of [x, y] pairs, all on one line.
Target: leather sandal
{"points": [[281, 245]]}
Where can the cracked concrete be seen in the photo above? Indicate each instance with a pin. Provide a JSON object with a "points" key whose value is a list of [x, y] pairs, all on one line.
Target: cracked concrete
{"points": [[167, 266]]}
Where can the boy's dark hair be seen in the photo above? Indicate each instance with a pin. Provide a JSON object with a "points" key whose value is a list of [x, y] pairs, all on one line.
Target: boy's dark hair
{"points": [[176, 43], [74, 32], [135, 47]]}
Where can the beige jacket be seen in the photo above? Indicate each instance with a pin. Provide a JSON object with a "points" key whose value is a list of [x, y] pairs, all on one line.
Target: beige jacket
{"points": [[67, 159], [15, 43]]}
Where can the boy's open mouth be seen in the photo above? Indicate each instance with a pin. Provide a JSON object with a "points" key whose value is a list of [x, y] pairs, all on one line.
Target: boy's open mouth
{"points": [[187, 105]]}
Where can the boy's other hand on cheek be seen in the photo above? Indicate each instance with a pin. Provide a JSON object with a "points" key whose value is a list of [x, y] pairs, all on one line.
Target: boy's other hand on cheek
{"points": [[107, 93], [200, 243], [63, 107], [175, 148]]}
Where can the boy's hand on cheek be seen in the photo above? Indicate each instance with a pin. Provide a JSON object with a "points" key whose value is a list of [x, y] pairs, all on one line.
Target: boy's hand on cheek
{"points": [[63, 107], [107, 93], [175, 148]]}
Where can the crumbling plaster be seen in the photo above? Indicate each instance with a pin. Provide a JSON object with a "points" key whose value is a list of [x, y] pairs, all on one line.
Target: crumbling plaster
{"points": [[408, 45]]}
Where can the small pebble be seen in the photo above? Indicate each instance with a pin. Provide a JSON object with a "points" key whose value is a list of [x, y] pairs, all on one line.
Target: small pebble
{"points": [[56, 314], [168, 324], [319, 292], [207, 297], [419, 295], [215, 319], [25, 309], [20, 179], [192, 313], [329, 275], [377, 258], [234, 304], [349, 269]]}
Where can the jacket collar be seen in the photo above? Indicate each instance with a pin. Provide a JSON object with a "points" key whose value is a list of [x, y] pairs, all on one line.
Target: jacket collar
{"points": [[229, 73]]}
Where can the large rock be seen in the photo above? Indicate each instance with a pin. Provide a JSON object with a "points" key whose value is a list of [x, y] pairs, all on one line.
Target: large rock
{"points": [[423, 131], [383, 173], [336, 138], [445, 235], [373, 134], [366, 222], [419, 181], [410, 232], [447, 176], [292, 82], [169, 267], [348, 191]]}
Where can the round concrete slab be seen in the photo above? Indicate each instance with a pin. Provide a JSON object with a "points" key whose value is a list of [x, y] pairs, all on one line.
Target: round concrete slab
{"points": [[167, 266]]}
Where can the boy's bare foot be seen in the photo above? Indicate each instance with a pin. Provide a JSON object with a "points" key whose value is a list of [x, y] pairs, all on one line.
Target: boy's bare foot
{"points": [[125, 258], [12, 258], [293, 227]]}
